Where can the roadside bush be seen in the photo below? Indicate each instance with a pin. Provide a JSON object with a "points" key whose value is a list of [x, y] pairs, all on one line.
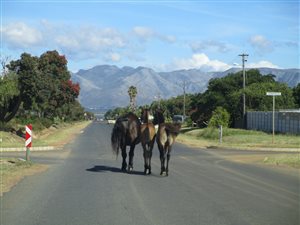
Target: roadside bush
{"points": [[46, 122], [36, 122], [209, 133], [189, 122], [219, 117]]}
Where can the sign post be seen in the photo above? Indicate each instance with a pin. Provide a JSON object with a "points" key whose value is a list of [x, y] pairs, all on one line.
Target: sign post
{"points": [[273, 119], [28, 140], [220, 134]]}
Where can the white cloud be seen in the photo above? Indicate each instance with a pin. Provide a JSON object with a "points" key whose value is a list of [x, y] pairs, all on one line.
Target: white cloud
{"points": [[200, 61], [146, 33], [143, 32], [89, 39], [261, 64], [82, 42], [20, 35], [114, 57], [67, 42], [76, 42], [261, 44], [211, 45]]}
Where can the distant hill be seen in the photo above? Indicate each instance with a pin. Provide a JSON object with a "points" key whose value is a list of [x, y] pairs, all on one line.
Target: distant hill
{"points": [[289, 76], [106, 86]]}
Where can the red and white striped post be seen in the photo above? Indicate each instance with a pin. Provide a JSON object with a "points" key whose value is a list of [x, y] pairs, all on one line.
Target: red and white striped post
{"points": [[28, 140]]}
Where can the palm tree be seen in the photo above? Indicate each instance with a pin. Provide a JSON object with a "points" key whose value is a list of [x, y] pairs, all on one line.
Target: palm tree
{"points": [[132, 91]]}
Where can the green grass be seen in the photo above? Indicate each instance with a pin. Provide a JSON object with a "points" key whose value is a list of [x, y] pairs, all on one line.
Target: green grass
{"points": [[12, 164], [286, 160], [8, 139], [12, 170], [237, 138], [53, 136]]}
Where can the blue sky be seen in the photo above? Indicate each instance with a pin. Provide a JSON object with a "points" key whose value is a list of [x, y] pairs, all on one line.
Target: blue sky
{"points": [[164, 35]]}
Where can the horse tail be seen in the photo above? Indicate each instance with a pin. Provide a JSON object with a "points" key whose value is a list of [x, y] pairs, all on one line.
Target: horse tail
{"points": [[115, 140]]}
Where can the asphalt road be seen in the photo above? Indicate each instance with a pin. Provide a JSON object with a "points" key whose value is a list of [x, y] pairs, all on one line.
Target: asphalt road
{"points": [[84, 185]]}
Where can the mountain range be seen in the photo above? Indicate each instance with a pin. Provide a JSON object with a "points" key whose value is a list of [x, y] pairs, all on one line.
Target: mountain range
{"points": [[106, 86]]}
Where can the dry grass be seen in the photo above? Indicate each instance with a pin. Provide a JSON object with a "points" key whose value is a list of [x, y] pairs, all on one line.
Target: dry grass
{"points": [[247, 140], [53, 136], [284, 160], [59, 136], [13, 170], [236, 138]]}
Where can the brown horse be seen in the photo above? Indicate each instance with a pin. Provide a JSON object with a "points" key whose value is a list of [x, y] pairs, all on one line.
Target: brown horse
{"points": [[165, 138], [126, 132], [147, 139]]}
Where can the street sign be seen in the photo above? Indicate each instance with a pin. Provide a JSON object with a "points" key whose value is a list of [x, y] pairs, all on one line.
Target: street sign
{"points": [[28, 138], [273, 93]]}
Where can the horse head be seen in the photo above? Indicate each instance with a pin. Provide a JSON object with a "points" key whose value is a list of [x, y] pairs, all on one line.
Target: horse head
{"points": [[158, 117], [145, 115]]}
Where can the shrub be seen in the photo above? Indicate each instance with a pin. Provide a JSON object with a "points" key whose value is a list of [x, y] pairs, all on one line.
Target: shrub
{"points": [[219, 117]]}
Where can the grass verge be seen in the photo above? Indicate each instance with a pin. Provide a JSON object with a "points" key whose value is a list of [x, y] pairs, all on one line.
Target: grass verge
{"points": [[13, 170], [283, 160], [246, 140], [237, 138], [55, 136]]}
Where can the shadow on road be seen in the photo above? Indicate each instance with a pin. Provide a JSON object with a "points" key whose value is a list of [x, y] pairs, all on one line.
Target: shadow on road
{"points": [[111, 169]]}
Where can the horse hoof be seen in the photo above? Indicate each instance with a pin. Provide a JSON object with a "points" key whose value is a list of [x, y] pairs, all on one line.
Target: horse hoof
{"points": [[130, 169], [147, 172]]}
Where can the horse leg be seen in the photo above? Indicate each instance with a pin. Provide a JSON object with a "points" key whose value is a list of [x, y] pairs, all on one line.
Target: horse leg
{"points": [[151, 145], [145, 157], [148, 155], [124, 155], [168, 159], [131, 154], [162, 159]]}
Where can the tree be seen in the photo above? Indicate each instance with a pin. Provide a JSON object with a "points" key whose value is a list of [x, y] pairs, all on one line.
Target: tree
{"points": [[10, 99], [4, 60], [258, 101], [220, 116], [55, 77], [296, 95], [44, 84], [28, 78], [132, 91], [227, 92]]}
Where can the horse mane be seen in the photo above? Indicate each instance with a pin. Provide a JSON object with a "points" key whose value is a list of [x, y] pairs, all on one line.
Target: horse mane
{"points": [[158, 117], [145, 116]]}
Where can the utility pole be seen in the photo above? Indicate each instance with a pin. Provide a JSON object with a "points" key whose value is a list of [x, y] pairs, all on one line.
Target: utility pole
{"points": [[244, 85], [184, 85], [158, 97]]}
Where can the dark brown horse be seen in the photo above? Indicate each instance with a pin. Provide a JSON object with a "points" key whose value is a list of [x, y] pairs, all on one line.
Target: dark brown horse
{"points": [[165, 138], [147, 139], [126, 132]]}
